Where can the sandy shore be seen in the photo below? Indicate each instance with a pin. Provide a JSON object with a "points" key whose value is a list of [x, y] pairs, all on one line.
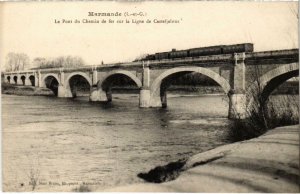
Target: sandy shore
{"points": [[269, 163]]}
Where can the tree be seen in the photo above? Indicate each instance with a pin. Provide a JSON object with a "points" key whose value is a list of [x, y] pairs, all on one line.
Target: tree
{"points": [[62, 61], [16, 61], [39, 61]]}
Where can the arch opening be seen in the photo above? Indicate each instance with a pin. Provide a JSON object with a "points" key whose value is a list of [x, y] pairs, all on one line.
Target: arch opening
{"points": [[8, 79], [187, 82], [23, 79], [260, 90], [185, 74], [79, 86], [276, 83], [32, 80], [52, 83], [16, 79], [119, 83], [270, 100], [278, 102]]}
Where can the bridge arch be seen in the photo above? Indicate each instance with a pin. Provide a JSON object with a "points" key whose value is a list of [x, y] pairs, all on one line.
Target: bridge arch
{"points": [[8, 79], [49, 75], [78, 73], [270, 81], [23, 78], [32, 80], [72, 89], [15, 79], [101, 83], [103, 91], [157, 96], [52, 82]]}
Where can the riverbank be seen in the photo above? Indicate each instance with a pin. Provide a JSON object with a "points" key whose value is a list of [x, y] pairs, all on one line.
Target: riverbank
{"points": [[173, 90], [25, 90], [269, 163], [179, 90]]}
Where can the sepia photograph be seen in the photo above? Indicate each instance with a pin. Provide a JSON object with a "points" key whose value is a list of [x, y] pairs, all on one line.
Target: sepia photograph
{"points": [[150, 96]]}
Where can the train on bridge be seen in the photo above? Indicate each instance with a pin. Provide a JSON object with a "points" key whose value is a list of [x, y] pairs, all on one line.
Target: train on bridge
{"points": [[201, 51]]}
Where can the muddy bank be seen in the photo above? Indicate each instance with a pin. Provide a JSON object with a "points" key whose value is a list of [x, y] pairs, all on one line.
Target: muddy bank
{"points": [[269, 163], [25, 90]]}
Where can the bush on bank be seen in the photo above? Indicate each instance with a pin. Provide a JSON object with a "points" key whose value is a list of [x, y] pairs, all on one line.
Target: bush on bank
{"points": [[24, 90], [265, 115]]}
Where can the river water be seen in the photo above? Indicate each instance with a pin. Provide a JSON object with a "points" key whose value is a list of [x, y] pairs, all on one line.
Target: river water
{"points": [[73, 142]]}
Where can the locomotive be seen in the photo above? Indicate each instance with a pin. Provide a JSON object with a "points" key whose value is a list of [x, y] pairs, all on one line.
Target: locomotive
{"points": [[201, 51]]}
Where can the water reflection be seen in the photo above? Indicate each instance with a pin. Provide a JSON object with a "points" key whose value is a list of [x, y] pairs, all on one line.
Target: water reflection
{"points": [[74, 140]]}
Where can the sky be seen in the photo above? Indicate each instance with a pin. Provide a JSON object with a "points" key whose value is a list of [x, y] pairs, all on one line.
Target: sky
{"points": [[29, 27]]}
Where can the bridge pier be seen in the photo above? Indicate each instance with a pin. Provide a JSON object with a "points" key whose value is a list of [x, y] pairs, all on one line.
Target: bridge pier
{"points": [[237, 97], [27, 81], [163, 98], [98, 95], [63, 92], [109, 95], [19, 80], [6, 80], [144, 98], [36, 79], [155, 101], [145, 92], [237, 106], [40, 81]]}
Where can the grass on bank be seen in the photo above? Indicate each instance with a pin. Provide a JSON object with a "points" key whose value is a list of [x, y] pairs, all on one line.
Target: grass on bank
{"points": [[25, 90], [265, 115]]}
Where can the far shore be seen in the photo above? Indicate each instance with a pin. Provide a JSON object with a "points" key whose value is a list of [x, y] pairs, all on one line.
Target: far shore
{"points": [[173, 92], [25, 90], [12, 89]]}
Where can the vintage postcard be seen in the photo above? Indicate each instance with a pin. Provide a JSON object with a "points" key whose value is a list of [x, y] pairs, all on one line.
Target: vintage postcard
{"points": [[149, 96]]}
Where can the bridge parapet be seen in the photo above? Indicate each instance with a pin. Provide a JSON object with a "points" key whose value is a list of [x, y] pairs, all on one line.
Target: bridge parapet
{"points": [[19, 72], [273, 54]]}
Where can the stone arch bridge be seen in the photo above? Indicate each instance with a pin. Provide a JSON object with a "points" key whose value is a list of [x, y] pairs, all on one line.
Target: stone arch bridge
{"points": [[237, 74]]}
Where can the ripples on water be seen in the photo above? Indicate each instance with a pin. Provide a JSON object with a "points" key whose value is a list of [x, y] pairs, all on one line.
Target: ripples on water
{"points": [[72, 140]]}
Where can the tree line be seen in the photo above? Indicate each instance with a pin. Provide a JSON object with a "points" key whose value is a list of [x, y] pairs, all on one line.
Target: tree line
{"points": [[16, 61], [21, 61], [62, 61]]}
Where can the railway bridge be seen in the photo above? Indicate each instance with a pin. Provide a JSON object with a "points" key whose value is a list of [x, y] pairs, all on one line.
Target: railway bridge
{"points": [[238, 74]]}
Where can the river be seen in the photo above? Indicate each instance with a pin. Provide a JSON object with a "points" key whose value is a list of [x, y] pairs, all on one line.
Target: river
{"points": [[60, 141]]}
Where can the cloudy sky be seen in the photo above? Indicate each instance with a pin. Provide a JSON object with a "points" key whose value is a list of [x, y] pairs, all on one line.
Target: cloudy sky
{"points": [[30, 28]]}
